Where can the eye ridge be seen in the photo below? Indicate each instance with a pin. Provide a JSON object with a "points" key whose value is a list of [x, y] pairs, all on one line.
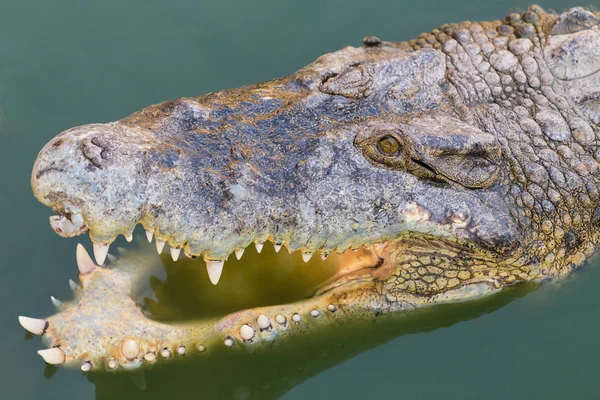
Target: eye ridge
{"points": [[388, 145]]}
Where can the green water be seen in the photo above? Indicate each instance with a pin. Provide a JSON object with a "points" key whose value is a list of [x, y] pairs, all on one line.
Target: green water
{"points": [[65, 63]]}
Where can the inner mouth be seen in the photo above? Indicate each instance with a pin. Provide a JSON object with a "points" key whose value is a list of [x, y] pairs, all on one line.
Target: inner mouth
{"points": [[181, 291]]}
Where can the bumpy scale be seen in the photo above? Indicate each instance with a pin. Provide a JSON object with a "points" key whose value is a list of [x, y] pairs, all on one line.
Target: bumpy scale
{"points": [[467, 159]]}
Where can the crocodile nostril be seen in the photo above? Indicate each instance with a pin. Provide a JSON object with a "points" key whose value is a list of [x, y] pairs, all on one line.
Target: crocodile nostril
{"points": [[95, 151]]}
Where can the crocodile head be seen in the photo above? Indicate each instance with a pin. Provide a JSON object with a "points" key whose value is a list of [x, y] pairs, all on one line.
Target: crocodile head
{"points": [[464, 161]]}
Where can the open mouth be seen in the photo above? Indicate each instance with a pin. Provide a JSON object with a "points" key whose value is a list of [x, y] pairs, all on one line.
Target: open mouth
{"points": [[135, 320], [182, 292]]}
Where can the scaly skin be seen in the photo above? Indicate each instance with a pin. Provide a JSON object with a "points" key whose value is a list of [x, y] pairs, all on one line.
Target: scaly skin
{"points": [[467, 157]]}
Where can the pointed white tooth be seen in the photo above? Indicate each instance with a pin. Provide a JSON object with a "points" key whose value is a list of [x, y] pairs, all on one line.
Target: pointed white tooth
{"points": [[306, 256], [100, 252], [57, 303], [84, 261], [149, 236], [53, 356], [73, 285], [175, 253], [129, 237], [277, 247], [86, 366], [324, 256], [214, 268], [259, 247], [112, 364], [159, 246], [239, 253], [355, 250], [379, 247], [33, 325]]}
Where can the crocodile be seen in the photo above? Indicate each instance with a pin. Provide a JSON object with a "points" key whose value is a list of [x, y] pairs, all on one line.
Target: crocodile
{"points": [[440, 170]]}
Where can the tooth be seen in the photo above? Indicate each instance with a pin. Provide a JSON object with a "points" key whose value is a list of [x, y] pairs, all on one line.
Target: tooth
{"points": [[165, 353], [324, 256], [130, 349], [306, 256], [297, 318], [239, 253], [277, 247], [73, 285], [100, 252], [129, 237], [175, 253], [263, 322], [259, 247], [159, 246], [355, 250], [379, 247], [33, 325], [86, 366], [53, 356], [57, 303], [84, 261], [149, 236], [113, 364], [181, 350], [246, 332], [214, 269]]}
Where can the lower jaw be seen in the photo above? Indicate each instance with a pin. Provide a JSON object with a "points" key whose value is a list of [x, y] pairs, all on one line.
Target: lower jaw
{"points": [[104, 328]]}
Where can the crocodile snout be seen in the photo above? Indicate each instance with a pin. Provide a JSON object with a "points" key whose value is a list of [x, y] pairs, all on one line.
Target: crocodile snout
{"points": [[82, 175]]}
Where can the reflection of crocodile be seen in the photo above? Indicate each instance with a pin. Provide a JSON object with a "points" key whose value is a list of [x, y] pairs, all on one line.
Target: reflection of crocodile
{"points": [[457, 164]]}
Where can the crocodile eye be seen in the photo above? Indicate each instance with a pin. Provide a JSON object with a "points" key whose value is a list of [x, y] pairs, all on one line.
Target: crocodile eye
{"points": [[388, 145]]}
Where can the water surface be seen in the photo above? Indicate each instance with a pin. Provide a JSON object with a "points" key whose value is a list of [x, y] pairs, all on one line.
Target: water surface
{"points": [[69, 62]]}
